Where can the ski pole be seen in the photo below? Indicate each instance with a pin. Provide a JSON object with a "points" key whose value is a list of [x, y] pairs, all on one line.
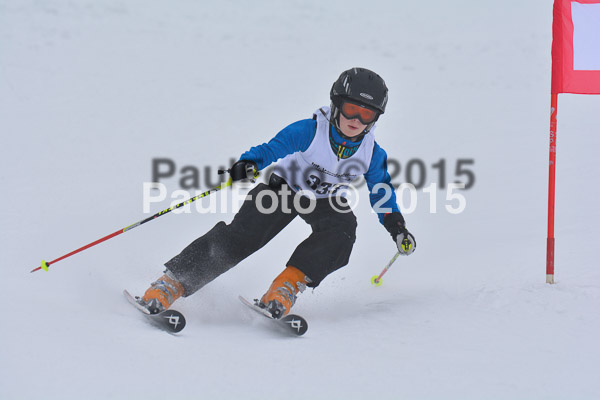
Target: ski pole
{"points": [[45, 264], [376, 280]]}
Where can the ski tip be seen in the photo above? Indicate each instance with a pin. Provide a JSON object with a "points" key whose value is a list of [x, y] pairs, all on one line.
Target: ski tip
{"points": [[171, 321], [174, 320], [292, 324], [296, 324]]}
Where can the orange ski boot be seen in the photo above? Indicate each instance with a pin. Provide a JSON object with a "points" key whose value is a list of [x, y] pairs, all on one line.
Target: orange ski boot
{"points": [[162, 293], [281, 296]]}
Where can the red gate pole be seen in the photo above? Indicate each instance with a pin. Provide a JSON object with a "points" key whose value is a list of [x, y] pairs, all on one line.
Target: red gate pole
{"points": [[551, 190]]}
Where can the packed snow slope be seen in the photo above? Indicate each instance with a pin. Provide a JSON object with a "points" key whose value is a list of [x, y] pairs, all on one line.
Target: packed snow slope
{"points": [[91, 92]]}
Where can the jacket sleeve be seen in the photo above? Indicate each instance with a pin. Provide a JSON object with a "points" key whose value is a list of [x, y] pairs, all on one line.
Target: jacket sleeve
{"points": [[383, 198], [291, 139]]}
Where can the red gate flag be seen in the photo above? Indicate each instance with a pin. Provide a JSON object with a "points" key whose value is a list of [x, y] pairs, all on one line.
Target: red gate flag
{"points": [[575, 69], [576, 47]]}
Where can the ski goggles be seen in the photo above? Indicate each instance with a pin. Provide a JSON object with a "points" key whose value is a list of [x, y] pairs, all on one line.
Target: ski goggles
{"points": [[365, 115]]}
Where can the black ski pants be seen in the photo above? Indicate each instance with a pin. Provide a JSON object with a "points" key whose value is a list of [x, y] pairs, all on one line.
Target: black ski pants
{"points": [[327, 249]]}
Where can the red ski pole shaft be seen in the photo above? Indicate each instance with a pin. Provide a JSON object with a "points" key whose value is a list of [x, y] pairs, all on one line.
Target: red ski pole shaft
{"points": [[387, 267], [45, 264]]}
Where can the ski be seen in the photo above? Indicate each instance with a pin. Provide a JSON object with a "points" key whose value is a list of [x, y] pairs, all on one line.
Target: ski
{"points": [[291, 323], [170, 320]]}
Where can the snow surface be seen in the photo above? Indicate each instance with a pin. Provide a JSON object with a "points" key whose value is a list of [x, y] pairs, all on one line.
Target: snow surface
{"points": [[91, 91]]}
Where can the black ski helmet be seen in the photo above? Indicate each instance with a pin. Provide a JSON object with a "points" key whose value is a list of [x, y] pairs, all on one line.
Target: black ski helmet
{"points": [[361, 86]]}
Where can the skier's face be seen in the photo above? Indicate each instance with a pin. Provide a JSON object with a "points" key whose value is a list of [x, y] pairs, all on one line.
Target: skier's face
{"points": [[351, 127]]}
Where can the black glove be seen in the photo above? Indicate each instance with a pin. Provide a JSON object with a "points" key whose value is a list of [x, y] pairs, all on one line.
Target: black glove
{"points": [[394, 223], [243, 171]]}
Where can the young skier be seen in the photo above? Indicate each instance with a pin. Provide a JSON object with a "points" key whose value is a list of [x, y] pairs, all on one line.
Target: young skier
{"points": [[320, 155]]}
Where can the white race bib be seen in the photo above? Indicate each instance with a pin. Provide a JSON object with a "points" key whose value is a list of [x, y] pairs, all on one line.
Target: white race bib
{"points": [[320, 169]]}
